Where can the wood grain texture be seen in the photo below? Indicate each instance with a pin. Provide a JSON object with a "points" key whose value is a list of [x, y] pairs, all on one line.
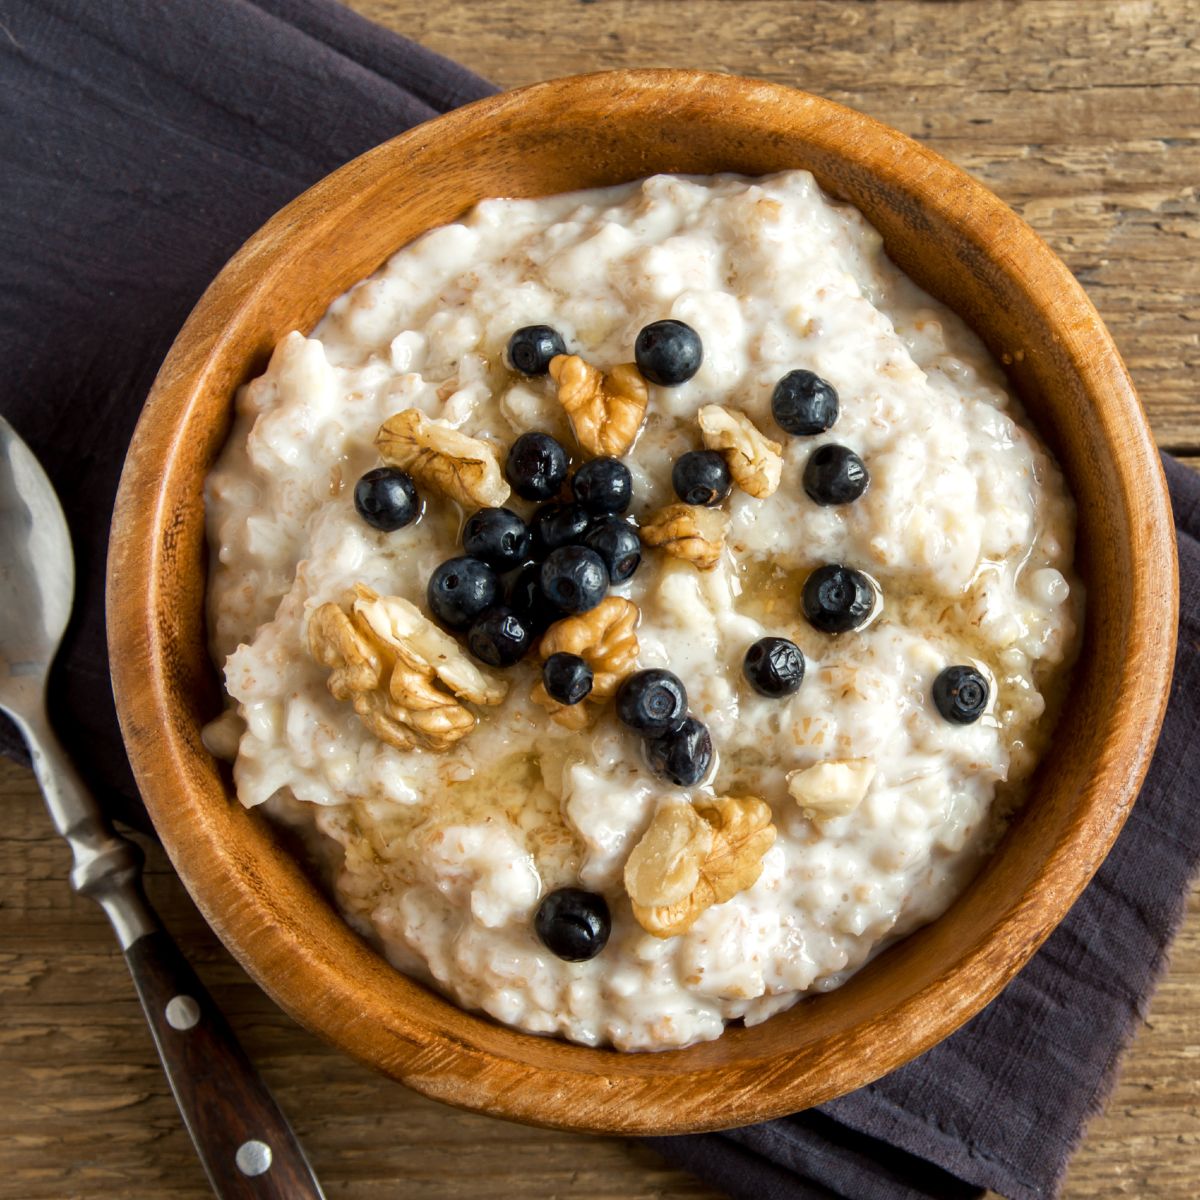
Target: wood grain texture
{"points": [[1083, 117]]}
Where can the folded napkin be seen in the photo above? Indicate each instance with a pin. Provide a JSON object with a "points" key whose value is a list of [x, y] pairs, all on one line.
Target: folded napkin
{"points": [[141, 145]]}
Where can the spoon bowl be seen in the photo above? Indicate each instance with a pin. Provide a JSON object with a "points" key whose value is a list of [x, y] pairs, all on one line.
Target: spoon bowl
{"points": [[37, 575]]}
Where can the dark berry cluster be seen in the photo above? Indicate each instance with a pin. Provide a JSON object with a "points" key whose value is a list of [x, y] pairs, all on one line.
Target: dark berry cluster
{"points": [[836, 598], [517, 576], [654, 704], [667, 352], [804, 404]]}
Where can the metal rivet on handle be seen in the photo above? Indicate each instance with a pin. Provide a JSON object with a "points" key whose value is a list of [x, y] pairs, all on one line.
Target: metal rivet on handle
{"points": [[182, 1012], [253, 1158]]}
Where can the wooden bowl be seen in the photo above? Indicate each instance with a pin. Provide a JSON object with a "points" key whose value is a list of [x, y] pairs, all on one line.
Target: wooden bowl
{"points": [[959, 242]]}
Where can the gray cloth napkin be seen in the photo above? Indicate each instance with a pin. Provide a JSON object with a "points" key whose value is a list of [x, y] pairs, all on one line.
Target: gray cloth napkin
{"points": [[141, 144]]}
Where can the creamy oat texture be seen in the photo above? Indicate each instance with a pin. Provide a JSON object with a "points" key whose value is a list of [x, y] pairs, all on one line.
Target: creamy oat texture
{"points": [[967, 528]]}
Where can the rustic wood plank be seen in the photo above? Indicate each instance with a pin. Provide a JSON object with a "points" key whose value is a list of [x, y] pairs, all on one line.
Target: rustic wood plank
{"points": [[1085, 118]]}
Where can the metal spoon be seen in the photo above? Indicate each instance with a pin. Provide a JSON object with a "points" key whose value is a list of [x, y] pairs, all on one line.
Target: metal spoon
{"points": [[243, 1139]]}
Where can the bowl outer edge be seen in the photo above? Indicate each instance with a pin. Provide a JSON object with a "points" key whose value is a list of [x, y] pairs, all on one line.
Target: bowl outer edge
{"points": [[157, 755]]}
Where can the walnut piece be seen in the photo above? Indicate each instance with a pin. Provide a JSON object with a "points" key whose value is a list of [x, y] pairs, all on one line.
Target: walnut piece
{"points": [[415, 639], [405, 678], [831, 788], [755, 462], [677, 871], [605, 407], [443, 459], [688, 531], [664, 867], [413, 702], [569, 716], [334, 641], [606, 640]]}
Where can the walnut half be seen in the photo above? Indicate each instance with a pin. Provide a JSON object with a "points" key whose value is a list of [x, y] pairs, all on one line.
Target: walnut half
{"points": [[688, 531], [405, 678], [605, 407], [605, 639], [695, 856], [442, 458], [831, 788], [755, 462]]}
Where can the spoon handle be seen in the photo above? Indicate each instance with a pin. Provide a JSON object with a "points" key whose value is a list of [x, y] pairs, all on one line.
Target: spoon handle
{"points": [[242, 1137]]}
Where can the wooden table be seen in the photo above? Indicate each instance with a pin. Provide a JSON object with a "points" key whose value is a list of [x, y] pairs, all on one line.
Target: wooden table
{"points": [[1086, 118]]}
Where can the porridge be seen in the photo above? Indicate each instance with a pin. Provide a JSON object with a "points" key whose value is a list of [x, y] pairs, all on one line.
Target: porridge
{"points": [[644, 603]]}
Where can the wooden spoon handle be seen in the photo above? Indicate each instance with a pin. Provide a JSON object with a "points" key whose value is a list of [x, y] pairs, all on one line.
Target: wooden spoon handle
{"points": [[243, 1139]]}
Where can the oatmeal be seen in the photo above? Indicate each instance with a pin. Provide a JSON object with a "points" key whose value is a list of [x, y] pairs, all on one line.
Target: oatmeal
{"points": [[646, 602]]}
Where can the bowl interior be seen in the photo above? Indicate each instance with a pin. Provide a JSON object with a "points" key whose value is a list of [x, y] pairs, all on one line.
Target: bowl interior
{"points": [[958, 242]]}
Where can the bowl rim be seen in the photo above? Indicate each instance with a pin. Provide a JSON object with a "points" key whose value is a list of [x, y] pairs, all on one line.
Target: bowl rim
{"points": [[648, 1093]]}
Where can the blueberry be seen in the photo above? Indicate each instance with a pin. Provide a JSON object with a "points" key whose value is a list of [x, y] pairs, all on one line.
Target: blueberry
{"points": [[556, 524], [701, 477], [500, 637], [387, 499], [652, 702], [523, 594], [774, 667], [498, 537], [567, 678], [532, 347], [460, 589], [961, 695], [837, 599], [803, 404], [682, 755], [574, 578], [834, 475], [617, 542], [573, 924], [668, 352], [536, 466], [603, 485]]}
